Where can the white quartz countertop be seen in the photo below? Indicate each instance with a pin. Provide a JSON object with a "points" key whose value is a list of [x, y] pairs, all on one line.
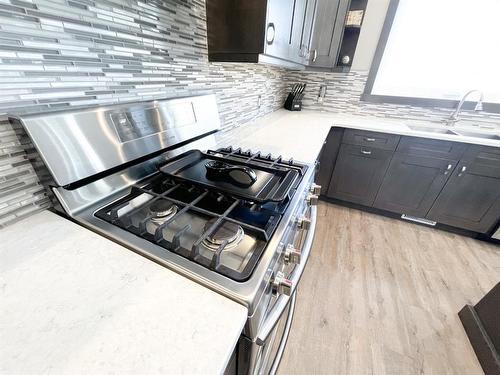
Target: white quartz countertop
{"points": [[301, 134], [73, 302]]}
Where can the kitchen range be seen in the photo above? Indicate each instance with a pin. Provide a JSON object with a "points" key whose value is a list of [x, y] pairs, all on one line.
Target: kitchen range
{"points": [[238, 222], [249, 187]]}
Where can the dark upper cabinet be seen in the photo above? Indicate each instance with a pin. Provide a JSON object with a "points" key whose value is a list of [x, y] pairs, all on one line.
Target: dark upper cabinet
{"points": [[304, 12], [412, 183], [471, 197], [307, 31], [269, 31], [280, 17], [327, 32], [358, 173], [290, 33]]}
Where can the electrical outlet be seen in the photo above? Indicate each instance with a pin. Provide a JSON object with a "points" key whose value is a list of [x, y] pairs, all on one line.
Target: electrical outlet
{"points": [[322, 93]]}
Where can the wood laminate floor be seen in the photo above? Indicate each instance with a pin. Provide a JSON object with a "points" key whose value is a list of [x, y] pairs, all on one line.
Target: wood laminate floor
{"points": [[381, 296]]}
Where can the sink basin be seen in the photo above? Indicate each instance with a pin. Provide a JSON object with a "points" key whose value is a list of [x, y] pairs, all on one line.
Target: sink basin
{"points": [[428, 129], [478, 135]]}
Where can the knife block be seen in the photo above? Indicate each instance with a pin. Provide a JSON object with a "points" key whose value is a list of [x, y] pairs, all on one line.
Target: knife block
{"points": [[294, 101]]}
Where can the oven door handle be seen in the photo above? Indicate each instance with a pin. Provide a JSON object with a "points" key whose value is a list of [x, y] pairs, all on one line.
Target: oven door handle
{"points": [[282, 302]]}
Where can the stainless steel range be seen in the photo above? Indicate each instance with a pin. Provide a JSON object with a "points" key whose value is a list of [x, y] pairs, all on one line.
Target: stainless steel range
{"points": [[239, 222]]}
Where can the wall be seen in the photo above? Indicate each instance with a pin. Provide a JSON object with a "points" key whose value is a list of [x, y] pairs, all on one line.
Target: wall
{"points": [[61, 54], [343, 96], [370, 32]]}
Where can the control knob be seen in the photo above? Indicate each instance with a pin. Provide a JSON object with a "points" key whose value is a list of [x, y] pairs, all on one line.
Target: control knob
{"points": [[304, 223], [315, 189], [312, 199], [281, 284], [292, 255]]}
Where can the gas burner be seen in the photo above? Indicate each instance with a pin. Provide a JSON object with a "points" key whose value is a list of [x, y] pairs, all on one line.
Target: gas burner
{"points": [[162, 210], [228, 231]]}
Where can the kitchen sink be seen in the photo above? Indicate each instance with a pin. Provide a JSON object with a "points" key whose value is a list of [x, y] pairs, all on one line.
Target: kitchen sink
{"points": [[428, 129], [478, 135]]}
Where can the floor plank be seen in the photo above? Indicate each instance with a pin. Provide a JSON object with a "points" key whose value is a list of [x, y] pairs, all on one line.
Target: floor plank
{"points": [[381, 296]]}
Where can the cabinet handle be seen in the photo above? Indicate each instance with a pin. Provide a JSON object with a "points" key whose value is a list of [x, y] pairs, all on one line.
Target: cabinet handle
{"points": [[365, 152], [304, 51], [370, 139], [448, 169], [315, 55], [462, 171], [271, 31]]}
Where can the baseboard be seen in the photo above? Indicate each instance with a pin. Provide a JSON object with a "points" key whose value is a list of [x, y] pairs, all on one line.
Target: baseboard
{"points": [[378, 211]]}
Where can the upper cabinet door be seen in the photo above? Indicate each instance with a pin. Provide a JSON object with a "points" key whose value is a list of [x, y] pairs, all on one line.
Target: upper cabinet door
{"points": [[471, 198], [307, 30], [327, 32], [279, 28], [302, 23]]}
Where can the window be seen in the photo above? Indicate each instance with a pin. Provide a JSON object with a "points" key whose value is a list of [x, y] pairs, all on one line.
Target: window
{"points": [[433, 51]]}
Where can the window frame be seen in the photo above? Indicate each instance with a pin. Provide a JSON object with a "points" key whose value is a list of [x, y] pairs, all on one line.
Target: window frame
{"points": [[367, 95]]}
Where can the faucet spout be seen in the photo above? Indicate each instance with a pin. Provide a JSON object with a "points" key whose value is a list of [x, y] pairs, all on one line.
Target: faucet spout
{"points": [[454, 117]]}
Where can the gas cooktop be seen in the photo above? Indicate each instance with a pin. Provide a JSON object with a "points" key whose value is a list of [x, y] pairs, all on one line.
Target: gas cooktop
{"points": [[219, 230]]}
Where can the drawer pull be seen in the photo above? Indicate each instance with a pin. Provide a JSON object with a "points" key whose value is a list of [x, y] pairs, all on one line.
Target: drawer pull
{"points": [[370, 139], [448, 169], [462, 171], [365, 152]]}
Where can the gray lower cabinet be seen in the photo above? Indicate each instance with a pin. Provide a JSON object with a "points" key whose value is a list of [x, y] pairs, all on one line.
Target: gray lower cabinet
{"points": [[471, 197], [412, 183], [358, 173], [447, 182]]}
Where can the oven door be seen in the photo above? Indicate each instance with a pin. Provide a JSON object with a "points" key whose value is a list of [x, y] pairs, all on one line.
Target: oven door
{"points": [[274, 331], [274, 347], [263, 358]]}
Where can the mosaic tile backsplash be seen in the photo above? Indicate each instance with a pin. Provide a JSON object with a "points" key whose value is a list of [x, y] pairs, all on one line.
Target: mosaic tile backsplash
{"points": [[343, 96], [57, 54]]}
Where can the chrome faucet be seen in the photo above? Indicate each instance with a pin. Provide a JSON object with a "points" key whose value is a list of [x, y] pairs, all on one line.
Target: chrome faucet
{"points": [[450, 121]]}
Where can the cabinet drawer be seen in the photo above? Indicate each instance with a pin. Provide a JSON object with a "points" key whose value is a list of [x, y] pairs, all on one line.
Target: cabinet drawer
{"points": [[482, 161], [431, 147], [371, 139]]}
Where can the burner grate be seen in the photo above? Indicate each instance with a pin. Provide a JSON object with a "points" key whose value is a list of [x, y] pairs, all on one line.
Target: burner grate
{"points": [[249, 156], [192, 199]]}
